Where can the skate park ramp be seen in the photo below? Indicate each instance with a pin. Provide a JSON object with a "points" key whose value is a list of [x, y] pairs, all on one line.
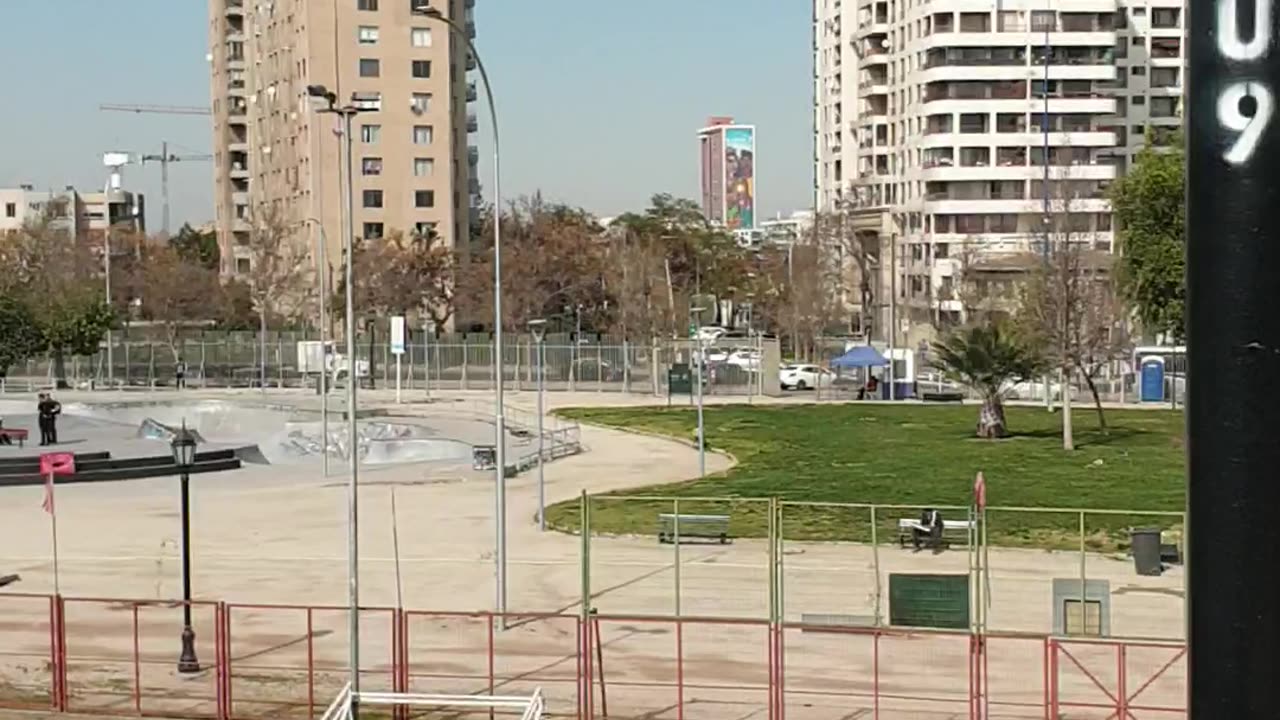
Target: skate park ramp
{"points": [[279, 434]]}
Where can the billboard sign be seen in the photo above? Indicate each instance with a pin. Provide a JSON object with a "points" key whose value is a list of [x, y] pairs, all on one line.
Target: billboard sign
{"points": [[739, 178], [397, 334]]}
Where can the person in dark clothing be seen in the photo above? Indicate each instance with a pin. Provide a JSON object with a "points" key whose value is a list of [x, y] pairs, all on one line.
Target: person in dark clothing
{"points": [[928, 531], [180, 374], [48, 409]]}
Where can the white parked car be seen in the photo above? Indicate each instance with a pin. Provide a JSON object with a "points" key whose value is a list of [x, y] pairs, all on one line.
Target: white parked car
{"points": [[748, 360], [803, 377]]}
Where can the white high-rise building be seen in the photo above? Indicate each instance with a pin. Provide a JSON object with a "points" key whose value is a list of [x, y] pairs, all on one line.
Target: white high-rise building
{"points": [[930, 127]]}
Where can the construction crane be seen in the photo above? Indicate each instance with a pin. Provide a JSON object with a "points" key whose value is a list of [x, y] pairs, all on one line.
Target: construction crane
{"points": [[165, 157]]}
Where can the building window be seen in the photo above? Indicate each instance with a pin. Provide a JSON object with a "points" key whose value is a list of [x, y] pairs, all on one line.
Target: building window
{"points": [[11, 210], [1139, 100], [370, 133], [372, 198], [373, 231], [422, 68], [1139, 70], [371, 166], [422, 134], [424, 198], [243, 266], [424, 229], [368, 35], [370, 5], [369, 67], [420, 37], [423, 167], [421, 102]]}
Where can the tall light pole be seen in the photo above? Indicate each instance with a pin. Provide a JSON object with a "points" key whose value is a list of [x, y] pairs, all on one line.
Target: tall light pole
{"points": [[347, 112], [695, 318], [1044, 190], [323, 262], [539, 330], [183, 446], [500, 423]]}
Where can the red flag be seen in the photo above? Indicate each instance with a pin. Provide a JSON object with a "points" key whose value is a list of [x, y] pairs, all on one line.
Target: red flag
{"points": [[980, 491], [52, 464]]}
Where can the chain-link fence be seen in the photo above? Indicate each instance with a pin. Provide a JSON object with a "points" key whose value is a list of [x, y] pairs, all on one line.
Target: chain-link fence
{"points": [[1028, 568], [745, 366]]}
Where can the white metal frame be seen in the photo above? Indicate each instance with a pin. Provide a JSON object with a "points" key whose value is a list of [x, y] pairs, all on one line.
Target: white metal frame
{"points": [[532, 706]]}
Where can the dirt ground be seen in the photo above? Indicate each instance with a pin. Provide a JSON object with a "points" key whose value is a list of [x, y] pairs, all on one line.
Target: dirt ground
{"points": [[273, 535]]}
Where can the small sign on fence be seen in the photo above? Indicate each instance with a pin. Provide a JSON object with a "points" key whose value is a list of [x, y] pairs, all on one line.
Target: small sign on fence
{"points": [[397, 335]]}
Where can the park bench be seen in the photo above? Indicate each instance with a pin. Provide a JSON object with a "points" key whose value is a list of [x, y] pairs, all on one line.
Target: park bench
{"points": [[942, 397], [953, 531], [18, 434], [707, 527]]}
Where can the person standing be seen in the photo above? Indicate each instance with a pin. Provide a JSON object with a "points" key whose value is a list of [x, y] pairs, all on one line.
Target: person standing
{"points": [[180, 375], [48, 409]]}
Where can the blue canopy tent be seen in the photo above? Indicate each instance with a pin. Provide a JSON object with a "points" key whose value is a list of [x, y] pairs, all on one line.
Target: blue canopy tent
{"points": [[861, 356]]}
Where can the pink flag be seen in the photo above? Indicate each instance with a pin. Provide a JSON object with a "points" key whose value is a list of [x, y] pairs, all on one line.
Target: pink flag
{"points": [[980, 491]]}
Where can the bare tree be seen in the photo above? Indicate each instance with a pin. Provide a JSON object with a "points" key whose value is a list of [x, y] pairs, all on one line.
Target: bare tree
{"points": [[174, 291], [1069, 304], [279, 272]]}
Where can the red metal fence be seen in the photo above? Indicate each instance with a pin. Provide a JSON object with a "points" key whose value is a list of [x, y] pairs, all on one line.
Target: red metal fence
{"points": [[119, 657]]}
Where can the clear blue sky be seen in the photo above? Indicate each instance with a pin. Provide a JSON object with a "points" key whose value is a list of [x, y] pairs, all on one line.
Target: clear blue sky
{"points": [[598, 99]]}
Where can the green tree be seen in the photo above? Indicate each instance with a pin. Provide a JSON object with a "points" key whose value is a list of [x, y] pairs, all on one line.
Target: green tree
{"points": [[989, 360], [1149, 206], [19, 334], [197, 246], [73, 323]]}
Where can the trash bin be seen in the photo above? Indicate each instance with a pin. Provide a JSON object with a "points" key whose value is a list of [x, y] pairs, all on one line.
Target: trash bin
{"points": [[1146, 551]]}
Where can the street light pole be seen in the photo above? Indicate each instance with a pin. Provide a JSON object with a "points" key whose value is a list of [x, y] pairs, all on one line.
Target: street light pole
{"points": [[500, 429], [183, 446], [539, 330], [347, 112], [106, 259], [699, 368], [323, 262]]}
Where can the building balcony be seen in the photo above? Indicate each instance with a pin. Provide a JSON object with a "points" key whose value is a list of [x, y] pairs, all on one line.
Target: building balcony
{"points": [[874, 87], [239, 172], [473, 125], [879, 28], [1097, 38], [471, 62], [1030, 137], [473, 155], [471, 30], [472, 95], [873, 57], [234, 8], [957, 173]]}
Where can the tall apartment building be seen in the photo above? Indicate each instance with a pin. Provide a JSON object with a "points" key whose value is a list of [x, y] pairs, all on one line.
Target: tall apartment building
{"points": [[726, 158], [413, 170], [930, 127]]}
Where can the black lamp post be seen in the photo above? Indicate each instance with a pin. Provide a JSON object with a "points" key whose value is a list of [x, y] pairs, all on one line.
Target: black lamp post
{"points": [[184, 456]]}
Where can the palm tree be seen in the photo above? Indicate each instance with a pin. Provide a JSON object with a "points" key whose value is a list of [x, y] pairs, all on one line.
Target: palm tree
{"points": [[988, 360]]}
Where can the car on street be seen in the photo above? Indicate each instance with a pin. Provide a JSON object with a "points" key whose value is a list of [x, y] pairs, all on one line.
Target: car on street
{"points": [[803, 377]]}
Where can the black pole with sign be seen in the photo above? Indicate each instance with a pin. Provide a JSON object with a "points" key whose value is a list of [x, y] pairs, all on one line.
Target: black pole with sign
{"points": [[1233, 323]]}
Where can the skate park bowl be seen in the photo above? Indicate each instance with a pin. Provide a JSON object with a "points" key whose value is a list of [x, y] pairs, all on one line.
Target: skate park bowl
{"points": [[130, 439], [281, 435]]}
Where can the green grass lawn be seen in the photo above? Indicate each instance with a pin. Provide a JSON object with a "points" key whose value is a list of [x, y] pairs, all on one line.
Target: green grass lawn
{"points": [[909, 455]]}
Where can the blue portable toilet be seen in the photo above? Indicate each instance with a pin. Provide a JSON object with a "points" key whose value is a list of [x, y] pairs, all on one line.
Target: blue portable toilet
{"points": [[1152, 380]]}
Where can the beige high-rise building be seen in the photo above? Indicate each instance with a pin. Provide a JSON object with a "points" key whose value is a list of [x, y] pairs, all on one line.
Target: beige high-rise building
{"points": [[412, 167]]}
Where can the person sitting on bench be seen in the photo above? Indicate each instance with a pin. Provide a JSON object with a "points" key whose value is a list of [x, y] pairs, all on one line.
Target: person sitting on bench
{"points": [[928, 531], [4, 436]]}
